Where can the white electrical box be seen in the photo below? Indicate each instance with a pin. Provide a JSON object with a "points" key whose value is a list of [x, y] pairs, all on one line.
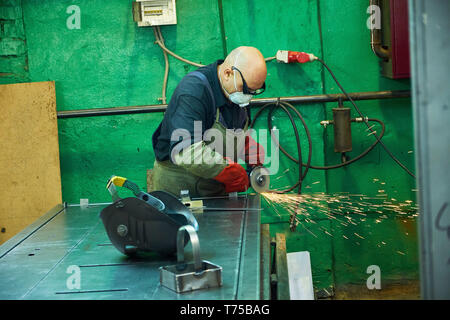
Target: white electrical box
{"points": [[154, 12]]}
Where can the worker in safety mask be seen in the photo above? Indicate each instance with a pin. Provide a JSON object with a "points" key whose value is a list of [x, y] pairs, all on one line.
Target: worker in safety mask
{"points": [[204, 130]]}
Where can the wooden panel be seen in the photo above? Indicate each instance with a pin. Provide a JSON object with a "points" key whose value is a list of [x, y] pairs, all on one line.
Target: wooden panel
{"points": [[265, 262], [29, 159], [282, 269]]}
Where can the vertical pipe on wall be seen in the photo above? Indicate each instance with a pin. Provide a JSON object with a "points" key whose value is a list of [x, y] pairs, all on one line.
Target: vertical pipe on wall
{"points": [[375, 37], [222, 29]]}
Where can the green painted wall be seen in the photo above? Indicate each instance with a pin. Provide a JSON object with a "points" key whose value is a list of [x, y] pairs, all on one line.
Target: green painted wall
{"points": [[347, 51], [389, 243], [13, 46], [111, 62]]}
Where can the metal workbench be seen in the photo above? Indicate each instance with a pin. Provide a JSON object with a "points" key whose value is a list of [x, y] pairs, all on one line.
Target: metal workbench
{"points": [[35, 264]]}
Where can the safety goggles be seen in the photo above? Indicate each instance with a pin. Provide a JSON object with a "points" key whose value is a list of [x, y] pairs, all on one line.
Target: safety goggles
{"points": [[246, 90]]}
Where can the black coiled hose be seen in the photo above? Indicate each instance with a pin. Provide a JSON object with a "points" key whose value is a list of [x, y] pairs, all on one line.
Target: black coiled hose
{"points": [[285, 106]]}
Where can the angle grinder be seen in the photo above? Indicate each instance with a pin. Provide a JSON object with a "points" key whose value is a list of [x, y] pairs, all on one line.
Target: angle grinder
{"points": [[259, 178], [146, 222]]}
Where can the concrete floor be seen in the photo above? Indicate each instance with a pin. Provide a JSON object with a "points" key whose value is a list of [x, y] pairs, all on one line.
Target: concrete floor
{"points": [[401, 290]]}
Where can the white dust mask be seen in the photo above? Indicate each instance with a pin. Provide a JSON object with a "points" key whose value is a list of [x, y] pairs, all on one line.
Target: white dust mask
{"points": [[240, 97]]}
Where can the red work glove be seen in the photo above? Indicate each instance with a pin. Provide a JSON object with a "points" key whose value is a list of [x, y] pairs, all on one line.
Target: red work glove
{"points": [[254, 152], [234, 177]]}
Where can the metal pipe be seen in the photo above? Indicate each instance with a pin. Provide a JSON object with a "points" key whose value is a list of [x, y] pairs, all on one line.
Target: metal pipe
{"points": [[375, 38], [111, 111], [322, 98]]}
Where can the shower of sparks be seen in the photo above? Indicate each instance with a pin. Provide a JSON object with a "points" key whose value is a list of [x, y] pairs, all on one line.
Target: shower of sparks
{"points": [[305, 210]]}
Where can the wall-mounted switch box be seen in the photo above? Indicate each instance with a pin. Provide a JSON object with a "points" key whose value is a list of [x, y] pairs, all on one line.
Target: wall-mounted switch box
{"points": [[395, 29], [154, 12]]}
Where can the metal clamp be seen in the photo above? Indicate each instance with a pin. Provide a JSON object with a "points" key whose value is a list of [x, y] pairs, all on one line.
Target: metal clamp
{"points": [[195, 246], [184, 195], [183, 276], [233, 195]]}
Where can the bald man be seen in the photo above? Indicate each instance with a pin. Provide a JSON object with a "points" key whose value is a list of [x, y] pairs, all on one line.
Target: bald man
{"points": [[204, 130]]}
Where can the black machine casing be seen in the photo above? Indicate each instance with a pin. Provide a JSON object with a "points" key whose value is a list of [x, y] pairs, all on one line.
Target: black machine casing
{"points": [[133, 225]]}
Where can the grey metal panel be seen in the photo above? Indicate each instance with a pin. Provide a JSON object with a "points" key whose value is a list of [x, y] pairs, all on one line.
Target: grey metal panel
{"points": [[249, 275], [76, 237], [37, 254], [300, 276], [21, 236], [430, 52]]}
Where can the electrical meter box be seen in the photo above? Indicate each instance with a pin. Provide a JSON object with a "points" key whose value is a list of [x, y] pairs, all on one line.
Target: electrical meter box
{"points": [[154, 12]]}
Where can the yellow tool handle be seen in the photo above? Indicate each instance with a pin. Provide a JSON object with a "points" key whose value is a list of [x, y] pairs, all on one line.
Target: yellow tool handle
{"points": [[116, 180], [124, 182]]}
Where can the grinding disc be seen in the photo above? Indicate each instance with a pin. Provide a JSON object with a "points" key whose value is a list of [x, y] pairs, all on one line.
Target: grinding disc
{"points": [[260, 179]]}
